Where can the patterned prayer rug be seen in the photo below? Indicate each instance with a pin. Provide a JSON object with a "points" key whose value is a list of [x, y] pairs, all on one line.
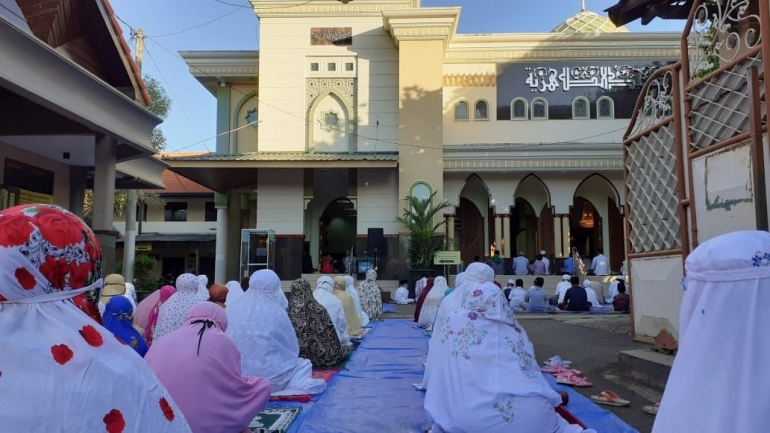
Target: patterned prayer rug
{"points": [[276, 419]]}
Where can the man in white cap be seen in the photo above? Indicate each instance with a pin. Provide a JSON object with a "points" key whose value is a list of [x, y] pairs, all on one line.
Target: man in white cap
{"points": [[562, 287], [591, 293], [613, 290], [716, 383], [547, 263]]}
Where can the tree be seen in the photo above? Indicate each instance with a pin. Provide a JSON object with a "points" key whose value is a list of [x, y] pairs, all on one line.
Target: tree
{"points": [[161, 107], [418, 218]]}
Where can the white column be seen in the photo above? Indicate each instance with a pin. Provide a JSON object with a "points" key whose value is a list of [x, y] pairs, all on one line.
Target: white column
{"points": [[220, 261], [498, 233], [129, 239], [104, 200], [451, 231], [507, 236]]}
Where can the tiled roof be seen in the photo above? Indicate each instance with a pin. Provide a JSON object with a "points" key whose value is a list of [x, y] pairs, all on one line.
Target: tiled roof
{"points": [[588, 22], [177, 184], [127, 52], [285, 156]]}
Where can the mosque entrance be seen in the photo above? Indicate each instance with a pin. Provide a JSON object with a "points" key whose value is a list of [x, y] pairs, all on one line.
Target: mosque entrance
{"points": [[337, 232]]}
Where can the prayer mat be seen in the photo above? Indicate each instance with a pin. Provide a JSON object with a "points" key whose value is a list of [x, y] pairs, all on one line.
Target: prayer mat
{"points": [[569, 417], [276, 419], [388, 308], [317, 374]]}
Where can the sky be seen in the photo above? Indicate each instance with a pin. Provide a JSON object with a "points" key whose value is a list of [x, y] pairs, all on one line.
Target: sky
{"points": [[171, 26]]}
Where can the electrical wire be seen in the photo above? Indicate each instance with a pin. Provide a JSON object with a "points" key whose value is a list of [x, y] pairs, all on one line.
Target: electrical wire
{"points": [[196, 26], [170, 90], [359, 136], [258, 8]]}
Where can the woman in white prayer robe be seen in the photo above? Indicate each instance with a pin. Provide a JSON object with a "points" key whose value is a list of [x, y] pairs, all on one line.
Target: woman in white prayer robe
{"points": [[431, 304], [262, 331], [203, 289], [474, 384], [716, 383], [350, 289], [323, 294]]}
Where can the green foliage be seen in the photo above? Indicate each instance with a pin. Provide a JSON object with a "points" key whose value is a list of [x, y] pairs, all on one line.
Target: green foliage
{"points": [[418, 218], [143, 267], [710, 50], [161, 107], [152, 200]]}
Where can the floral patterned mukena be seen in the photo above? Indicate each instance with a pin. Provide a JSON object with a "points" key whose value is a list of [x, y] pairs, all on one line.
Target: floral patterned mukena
{"points": [[760, 259], [506, 408]]}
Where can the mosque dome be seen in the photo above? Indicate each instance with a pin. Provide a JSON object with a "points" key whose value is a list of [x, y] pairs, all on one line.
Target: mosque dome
{"points": [[587, 22]]}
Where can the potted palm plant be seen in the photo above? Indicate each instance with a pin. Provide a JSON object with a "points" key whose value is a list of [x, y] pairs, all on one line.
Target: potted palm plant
{"points": [[419, 219]]}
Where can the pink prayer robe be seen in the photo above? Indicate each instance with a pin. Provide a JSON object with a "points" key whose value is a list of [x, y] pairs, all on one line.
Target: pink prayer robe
{"points": [[205, 381]]}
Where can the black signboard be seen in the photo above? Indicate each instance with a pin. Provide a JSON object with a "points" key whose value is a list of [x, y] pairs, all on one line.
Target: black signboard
{"points": [[560, 83]]}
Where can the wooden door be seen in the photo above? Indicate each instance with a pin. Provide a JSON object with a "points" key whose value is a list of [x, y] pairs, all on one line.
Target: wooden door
{"points": [[472, 231], [617, 238]]}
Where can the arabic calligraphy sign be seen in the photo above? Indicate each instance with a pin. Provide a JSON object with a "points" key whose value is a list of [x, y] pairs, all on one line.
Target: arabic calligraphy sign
{"points": [[543, 79], [340, 36], [559, 83]]}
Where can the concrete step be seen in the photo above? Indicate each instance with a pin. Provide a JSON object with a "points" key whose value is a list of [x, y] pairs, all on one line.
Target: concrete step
{"points": [[646, 366]]}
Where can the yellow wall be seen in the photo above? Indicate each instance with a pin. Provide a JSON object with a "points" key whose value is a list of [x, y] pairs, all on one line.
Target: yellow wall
{"points": [[420, 115], [245, 96]]}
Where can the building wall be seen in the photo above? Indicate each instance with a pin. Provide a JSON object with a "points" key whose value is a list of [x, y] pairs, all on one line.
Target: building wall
{"points": [[243, 97], [61, 185], [280, 204], [155, 223], [284, 45], [378, 201]]}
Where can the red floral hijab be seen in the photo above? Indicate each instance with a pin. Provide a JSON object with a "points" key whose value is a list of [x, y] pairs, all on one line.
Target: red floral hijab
{"points": [[50, 251], [49, 257]]}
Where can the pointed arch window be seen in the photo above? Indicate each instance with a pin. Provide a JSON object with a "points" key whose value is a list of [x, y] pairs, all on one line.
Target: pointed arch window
{"points": [[461, 111]]}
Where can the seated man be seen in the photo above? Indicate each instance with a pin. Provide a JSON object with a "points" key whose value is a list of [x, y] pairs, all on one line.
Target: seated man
{"points": [[576, 298], [507, 289], [621, 302], [537, 300], [593, 299], [402, 293], [518, 295]]}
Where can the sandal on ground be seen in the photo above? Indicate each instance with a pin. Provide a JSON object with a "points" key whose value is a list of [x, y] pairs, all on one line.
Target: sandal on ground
{"points": [[573, 380], [558, 371], [652, 410], [556, 361], [610, 398]]}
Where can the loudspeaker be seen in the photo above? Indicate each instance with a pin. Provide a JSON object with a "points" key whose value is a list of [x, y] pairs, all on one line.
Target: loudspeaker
{"points": [[375, 241]]}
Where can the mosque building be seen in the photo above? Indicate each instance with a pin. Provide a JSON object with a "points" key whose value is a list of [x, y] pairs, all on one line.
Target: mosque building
{"points": [[346, 109]]}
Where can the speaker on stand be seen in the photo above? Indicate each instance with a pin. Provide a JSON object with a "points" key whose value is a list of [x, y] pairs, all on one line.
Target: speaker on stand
{"points": [[375, 243]]}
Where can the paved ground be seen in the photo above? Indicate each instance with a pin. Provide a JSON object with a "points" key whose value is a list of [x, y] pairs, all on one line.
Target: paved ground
{"points": [[592, 343]]}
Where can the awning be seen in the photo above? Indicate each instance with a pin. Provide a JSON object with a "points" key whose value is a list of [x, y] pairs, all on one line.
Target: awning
{"points": [[190, 237], [141, 173], [223, 173]]}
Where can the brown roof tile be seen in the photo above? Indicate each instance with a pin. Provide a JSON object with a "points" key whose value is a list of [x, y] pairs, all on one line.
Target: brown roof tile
{"points": [[177, 184]]}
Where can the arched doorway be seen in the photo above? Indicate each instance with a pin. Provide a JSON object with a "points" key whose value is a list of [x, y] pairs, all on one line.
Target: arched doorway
{"points": [[532, 218], [596, 222], [473, 215], [337, 230]]}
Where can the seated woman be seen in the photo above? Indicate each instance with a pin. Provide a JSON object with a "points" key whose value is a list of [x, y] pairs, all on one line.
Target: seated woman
{"points": [[201, 368], [421, 299], [263, 333], [118, 318], [44, 335], [323, 294], [152, 319], [477, 387], [430, 305], [350, 289], [349, 308], [371, 296], [173, 312], [316, 334]]}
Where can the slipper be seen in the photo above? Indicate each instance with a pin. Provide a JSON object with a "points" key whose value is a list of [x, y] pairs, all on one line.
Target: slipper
{"points": [[610, 399], [573, 380], [554, 362], [652, 410], [556, 371]]}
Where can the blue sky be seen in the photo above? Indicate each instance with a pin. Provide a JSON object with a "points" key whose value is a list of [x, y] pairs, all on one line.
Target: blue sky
{"points": [[191, 125]]}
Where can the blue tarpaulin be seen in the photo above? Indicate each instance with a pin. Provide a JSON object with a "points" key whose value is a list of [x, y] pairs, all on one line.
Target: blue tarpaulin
{"points": [[374, 393]]}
